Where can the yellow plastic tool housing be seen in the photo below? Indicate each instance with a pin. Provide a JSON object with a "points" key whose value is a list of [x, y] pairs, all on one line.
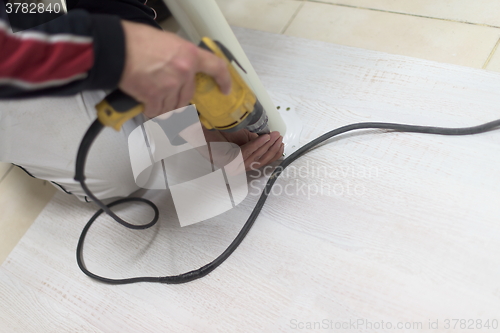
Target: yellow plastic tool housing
{"points": [[117, 108], [219, 111]]}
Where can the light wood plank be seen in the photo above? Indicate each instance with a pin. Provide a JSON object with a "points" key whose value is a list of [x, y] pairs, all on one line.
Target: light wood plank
{"points": [[437, 40], [30, 310], [264, 15], [417, 241], [4, 169], [22, 198], [485, 12]]}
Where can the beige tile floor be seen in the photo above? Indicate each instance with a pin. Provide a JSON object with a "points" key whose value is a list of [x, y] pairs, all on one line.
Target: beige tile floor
{"points": [[462, 32]]}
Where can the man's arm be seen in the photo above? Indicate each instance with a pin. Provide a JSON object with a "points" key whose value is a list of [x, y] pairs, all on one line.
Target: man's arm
{"points": [[82, 51], [74, 52]]}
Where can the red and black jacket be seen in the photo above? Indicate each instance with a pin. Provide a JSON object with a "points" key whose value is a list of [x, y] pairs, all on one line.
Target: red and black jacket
{"points": [[81, 50]]}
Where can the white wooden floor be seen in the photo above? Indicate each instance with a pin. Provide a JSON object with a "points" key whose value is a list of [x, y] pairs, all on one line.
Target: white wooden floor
{"points": [[463, 32], [393, 227]]}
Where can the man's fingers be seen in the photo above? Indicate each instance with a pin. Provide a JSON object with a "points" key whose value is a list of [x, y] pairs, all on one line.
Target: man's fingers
{"points": [[268, 156], [257, 153], [279, 154], [186, 93], [252, 136], [249, 148], [152, 107], [215, 67], [254, 163], [169, 103]]}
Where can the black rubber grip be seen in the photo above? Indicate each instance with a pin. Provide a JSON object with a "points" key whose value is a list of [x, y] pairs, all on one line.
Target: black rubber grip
{"points": [[120, 101]]}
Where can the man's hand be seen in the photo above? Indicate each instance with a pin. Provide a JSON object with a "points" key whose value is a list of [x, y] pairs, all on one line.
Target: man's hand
{"points": [[160, 68], [257, 151]]}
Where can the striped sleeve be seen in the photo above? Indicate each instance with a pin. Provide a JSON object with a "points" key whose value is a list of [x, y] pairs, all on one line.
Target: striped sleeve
{"points": [[36, 60], [74, 52]]}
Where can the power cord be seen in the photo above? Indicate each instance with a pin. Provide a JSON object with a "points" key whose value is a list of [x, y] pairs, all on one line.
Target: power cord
{"points": [[96, 128]]}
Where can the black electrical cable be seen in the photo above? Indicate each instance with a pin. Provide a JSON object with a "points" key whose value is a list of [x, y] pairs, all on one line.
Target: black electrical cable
{"points": [[96, 127]]}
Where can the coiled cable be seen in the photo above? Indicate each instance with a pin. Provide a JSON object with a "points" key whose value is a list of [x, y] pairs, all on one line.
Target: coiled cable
{"points": [[96, 128]]}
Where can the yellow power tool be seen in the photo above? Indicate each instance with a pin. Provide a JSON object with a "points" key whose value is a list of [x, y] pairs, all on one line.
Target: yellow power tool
{"points": [[238, 110]]}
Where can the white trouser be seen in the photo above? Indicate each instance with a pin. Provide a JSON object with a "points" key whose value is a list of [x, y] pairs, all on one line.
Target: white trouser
{"points": [[42, 135]]}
